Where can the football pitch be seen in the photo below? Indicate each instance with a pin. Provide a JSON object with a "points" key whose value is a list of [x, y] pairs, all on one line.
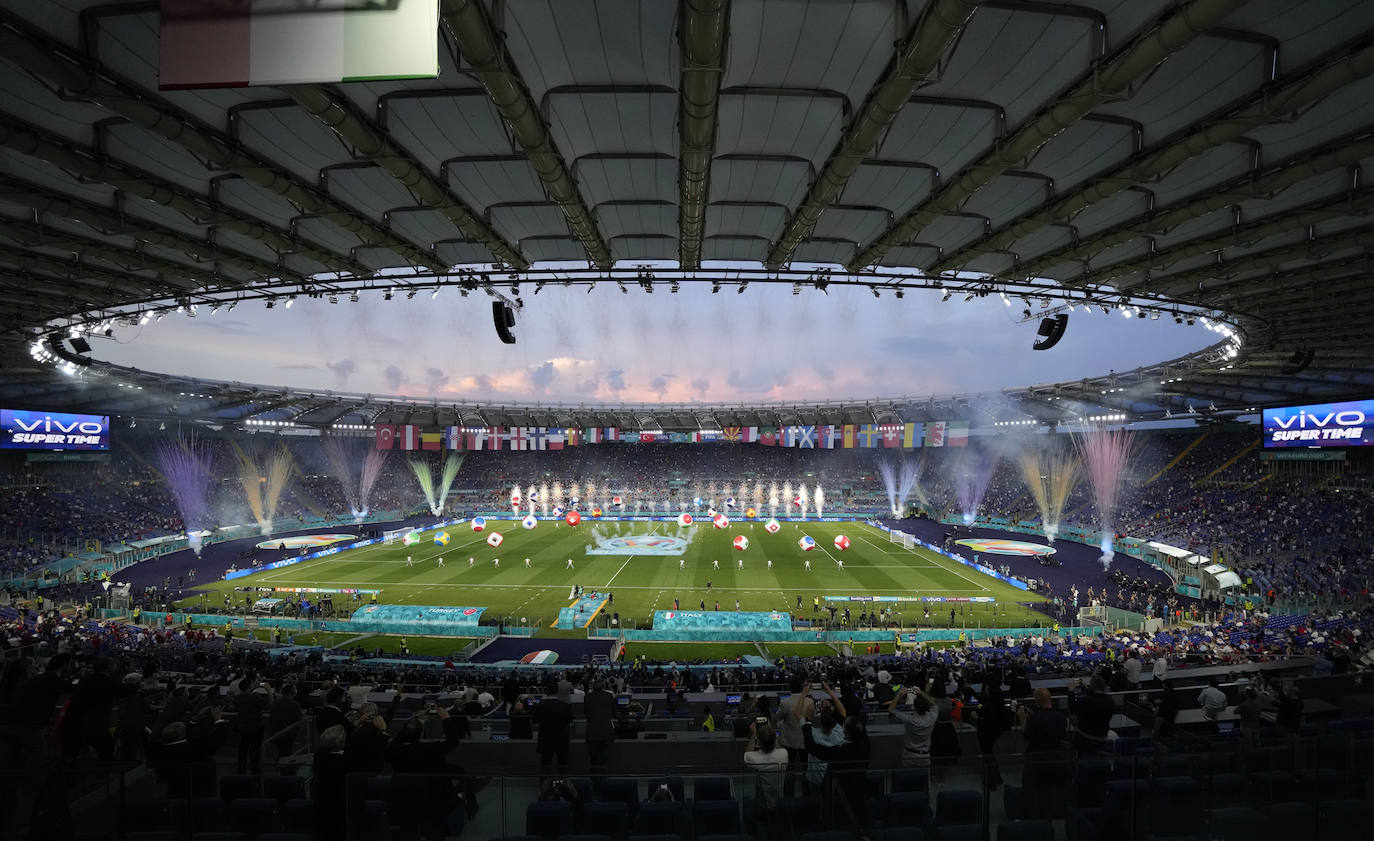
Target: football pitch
{"points": [[706, 572]]}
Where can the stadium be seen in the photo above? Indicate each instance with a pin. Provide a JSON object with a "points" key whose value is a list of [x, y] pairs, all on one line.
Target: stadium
{"points": [[916, 420]]}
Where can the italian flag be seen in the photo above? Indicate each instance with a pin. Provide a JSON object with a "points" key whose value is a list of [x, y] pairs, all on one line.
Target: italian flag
{"points": [[239, 43], [539, 658]]}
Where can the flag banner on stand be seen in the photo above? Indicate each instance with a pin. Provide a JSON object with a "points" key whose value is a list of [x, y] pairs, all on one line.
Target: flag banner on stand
{"points": [[409, 436], [431, 440], [730, 434], [935, 434], [386, 436], [557, 437], [453, 438], [892, 435], [749, 435], [496, 437], [956, 434], [768, 436], [476, 438], [913, 434], [870, 436], [519, 438], [850, 436], [829, 437]]}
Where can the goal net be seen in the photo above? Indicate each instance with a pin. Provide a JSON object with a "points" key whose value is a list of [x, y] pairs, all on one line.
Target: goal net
{"points": [[907, 541], [393, 535]]}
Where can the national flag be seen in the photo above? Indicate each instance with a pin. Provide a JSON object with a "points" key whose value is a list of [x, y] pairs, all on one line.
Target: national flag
{"points": [[850, 436], [647, 437], [496, 437], [956, 434], [768, 436], [913, 434], [749, 435], [386, 436], [869, 435], [789, 436], [453, 438], [892, 435], [829, 436], [935, 434], [409, 436], [557, 437], [250, 42], [592, 435], [431, 440], [731, 434], [476, 438], [610, 433], [519, 438], [574, 437], [806, 437], [539, 438], [681, 437]]}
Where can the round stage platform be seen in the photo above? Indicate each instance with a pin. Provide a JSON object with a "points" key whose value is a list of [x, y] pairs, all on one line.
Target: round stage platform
{"points": [[305, 541], [1006, 547]]}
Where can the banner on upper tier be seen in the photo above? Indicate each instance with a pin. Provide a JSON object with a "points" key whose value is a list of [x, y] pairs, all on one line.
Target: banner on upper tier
{"points": [[537, 438]]}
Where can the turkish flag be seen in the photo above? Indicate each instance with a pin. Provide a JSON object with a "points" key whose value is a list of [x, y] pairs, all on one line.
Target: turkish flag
{"points": [[386, 437]]}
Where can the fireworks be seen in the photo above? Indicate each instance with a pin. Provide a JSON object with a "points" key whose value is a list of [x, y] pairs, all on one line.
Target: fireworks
{"points": [[185, 464], [264, 492], [1051, 476], [971, 481], [1105, 453], [426, 479]]}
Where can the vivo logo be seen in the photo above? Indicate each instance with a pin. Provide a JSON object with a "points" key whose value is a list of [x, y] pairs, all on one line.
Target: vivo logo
{"points": [[1304, 420], [47, 424]]}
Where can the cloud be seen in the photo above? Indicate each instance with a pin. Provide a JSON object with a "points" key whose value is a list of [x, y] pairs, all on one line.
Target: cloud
{"points": [[542, 376], [297, 367], [393, 376], [824, 371], [435, 379], [343, 369], [700, 386], [615, 379], [659, 385], [588, 386], [482, 382]]}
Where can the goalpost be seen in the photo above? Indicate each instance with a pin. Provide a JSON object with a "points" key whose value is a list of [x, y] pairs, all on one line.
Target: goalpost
{"points": [[392, 535], [907, 541]]}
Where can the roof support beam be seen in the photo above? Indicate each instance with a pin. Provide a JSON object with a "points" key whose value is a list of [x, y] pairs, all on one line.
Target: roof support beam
{"points": [[480, 44], [1247, 187], [701, 41], [338, 113], [930, 38], [1271, 105], [44, 57], [1103, 83], [170, 274]]}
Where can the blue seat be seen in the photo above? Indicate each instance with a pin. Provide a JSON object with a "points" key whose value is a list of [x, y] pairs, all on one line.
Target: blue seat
{"points": [[621, 790], [237, 786], [298, 815], [1025, 831], [906, 808], [1011, 802], [958, 807], [716, 817], [548, 819], [904, 833], [584, 838], [204, 814], [798, 815], [612, 819], [712, 788], [282, 789], [910, 779], [659, 819], [253, 815]]}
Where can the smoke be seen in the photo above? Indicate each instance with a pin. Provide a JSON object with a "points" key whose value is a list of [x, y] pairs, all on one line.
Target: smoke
{"points": [[971, 476], [185, 464], [1106, 453]]}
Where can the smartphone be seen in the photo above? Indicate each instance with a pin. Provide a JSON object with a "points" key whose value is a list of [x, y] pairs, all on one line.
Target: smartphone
{"points": [[816, 686], [761, 719]]}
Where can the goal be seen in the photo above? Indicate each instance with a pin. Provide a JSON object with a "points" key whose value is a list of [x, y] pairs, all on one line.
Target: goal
{"points": [[907, 541], [393, 535]]}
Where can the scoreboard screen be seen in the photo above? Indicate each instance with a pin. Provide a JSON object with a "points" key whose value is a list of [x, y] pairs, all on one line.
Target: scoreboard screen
{"points": [[21, 429], [1349, 424]]}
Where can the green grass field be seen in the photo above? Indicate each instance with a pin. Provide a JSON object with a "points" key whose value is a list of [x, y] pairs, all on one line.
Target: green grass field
{"points": [[641, 584]]}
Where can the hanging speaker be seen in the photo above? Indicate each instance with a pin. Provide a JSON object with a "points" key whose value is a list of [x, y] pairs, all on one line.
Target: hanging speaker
{"points": [[1052, 330], [1298, 362], [79, 344], [504, 318]]}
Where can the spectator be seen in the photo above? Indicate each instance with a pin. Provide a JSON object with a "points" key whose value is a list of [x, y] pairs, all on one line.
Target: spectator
{"points": [[327, 784], [918, 724], [1094, 711], [845, 790], [1045, 773], [599, 709], [770, 762], [1211, 699], [251, 704], [284, 722], [554, 718]]}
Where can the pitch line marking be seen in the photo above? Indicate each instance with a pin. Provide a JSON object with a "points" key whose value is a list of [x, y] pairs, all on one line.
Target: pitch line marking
{"points": [[622, 566], [949, 568]]}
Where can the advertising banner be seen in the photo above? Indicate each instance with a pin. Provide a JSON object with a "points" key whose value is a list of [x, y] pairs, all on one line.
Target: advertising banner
{"points": [[27, 430]]}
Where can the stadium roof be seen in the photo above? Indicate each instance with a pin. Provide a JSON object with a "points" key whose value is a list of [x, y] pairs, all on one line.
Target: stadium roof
{"points": [[1200, 158]]}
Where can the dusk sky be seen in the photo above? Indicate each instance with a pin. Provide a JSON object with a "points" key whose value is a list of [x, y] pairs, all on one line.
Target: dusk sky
{"points": [[605, 346]]}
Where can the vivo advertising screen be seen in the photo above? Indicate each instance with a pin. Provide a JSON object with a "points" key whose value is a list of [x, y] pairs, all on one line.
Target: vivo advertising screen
{"points": [[1322, 425], [25, 430]]}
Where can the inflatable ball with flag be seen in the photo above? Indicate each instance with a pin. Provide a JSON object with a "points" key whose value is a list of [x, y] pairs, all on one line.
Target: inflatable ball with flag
{"points": [[441, 539], [684, 519], [529, 522], [751, 513], [479, 524], [720, 521], [841, 542], [741, 542], [572, 518], [596, 511], [411, 539], [772, 527], [495, 539], [807, 543]]}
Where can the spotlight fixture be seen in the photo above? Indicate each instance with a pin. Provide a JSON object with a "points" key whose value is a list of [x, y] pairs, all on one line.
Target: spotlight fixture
{"points": [[948, 292], [410, 294], [900, 294], [270, 304], [715, 287], [333, 299], [434, 294], [796, 288], [740, 290], [387, 296], [353, 298], [674, 288], [290, 301], [874, 290]]}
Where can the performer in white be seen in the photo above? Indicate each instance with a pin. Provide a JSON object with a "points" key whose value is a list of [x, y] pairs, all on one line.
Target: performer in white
{"points": [[441, 560], [469, 563], [741, 563], [681, 563], [570, 566], [410, 562], [715, 564], [496, 562], [527, 563], [841, 563], [808, 564], [770, 563]]}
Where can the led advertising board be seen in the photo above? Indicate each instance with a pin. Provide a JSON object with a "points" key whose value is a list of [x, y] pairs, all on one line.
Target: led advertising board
{"points": [[21, 429], [1348, 424]]}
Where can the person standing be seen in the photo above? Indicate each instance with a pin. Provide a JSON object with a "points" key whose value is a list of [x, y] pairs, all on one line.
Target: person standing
{"points": [[599, 708], [770, 762], [250, 710], [1044, 778], [792, 712], [284, 721], [554, 719], [918, 725]]}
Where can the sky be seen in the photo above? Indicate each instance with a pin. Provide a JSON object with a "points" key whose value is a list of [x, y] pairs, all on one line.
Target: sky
{"points": [[607, 347]]}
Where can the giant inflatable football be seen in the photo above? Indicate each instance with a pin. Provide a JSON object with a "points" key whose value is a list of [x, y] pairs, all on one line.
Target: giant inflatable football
{"points": [[479, 524], [807, 543]]}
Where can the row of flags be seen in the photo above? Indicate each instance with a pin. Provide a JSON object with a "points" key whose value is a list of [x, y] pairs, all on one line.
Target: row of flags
{"points": [[837, 437]]}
